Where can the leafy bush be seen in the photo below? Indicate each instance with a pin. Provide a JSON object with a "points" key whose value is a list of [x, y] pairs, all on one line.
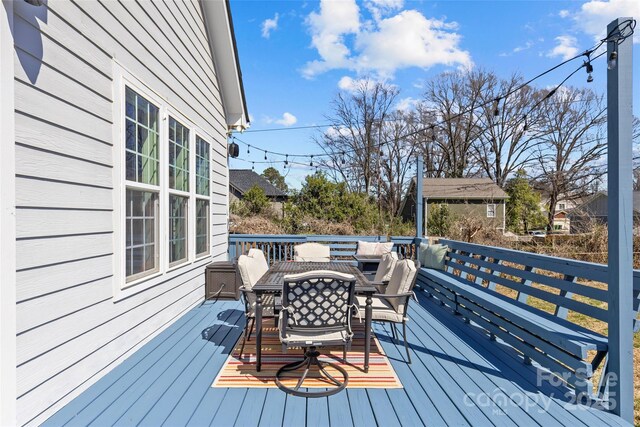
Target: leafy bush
{"points": [[440, 220], [256, 201]]}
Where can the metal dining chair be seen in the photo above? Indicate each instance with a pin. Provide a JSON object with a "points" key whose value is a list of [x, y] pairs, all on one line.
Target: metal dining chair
{"points": [[251, 268], [391, 305], [316, 311]]}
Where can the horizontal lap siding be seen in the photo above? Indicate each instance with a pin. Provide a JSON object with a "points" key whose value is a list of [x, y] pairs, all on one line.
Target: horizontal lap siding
{"points": [[70, 330]]}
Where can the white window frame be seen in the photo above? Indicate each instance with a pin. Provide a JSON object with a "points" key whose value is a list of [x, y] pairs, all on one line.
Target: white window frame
{"points": [[495, 208], [562, 206], [121, 288], [203, 197]]}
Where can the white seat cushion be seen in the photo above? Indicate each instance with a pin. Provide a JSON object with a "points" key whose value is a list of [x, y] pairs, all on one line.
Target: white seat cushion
{"points": [[373, 248], [382, 310], [386, 267], [312, 252], [402, 281], [309, 338]]}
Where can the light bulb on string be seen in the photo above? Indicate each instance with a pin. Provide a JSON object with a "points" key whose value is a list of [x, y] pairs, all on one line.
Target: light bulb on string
{"points": [[343, 161], [496, 109], [265, 154], [311, 161], [286, 160], [433, 133], [253, 166], [526, 126], [589, 68], [612, 62], [248, 147]]}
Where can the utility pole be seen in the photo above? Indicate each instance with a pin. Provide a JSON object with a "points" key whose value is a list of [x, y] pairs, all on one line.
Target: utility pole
{"points": [[620, 222]]}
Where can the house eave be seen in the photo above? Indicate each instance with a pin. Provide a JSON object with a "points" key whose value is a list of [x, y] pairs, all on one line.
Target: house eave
{"points": [[219, 26]]}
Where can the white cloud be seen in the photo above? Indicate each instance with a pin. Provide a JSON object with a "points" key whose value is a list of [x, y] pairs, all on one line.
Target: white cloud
{"points": [[287, 119], [269, 25], [563, 13], [526, 46], [594, 16], [566, 47], [402, 40], [349, 84], [407, 104]]}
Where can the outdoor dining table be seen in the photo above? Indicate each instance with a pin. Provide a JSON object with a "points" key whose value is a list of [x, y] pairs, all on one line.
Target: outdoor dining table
{"points": [[272, 282]]}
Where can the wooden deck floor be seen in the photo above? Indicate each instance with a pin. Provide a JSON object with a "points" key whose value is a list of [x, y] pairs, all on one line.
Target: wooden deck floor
{"points": [[458, 377]]}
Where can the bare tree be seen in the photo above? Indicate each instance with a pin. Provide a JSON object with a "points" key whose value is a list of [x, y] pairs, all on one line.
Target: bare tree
{"points": [[353, 141], [512, 128], [569, 154], [396, 158], [453, 98]]}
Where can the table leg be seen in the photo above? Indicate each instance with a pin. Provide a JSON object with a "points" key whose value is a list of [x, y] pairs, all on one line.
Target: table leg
{"points": [[367, 332], [258, 331]]}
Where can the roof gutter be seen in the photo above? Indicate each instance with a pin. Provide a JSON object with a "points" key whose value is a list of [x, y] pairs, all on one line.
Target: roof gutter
{"points": [[222, 41]]}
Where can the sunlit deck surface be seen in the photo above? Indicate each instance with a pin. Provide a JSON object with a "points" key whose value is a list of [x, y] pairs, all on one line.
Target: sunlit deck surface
{"points": [[458, 377]]}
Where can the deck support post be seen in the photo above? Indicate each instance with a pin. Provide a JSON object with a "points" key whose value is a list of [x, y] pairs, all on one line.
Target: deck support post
{"points": [[620, 203], [419, 197]]}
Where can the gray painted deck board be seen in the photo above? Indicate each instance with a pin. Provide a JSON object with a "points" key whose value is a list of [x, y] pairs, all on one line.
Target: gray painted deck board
{"points": [[168, 382]]}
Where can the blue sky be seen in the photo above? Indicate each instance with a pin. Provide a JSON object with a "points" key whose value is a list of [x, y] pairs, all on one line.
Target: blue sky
{"points": [[296, 56]]}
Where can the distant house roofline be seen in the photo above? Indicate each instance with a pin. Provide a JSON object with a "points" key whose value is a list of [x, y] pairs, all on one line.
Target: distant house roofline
{"points": [[243, 179]]}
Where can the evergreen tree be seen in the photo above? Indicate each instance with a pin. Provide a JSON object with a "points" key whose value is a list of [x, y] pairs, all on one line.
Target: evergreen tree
{"points": [[523, 206]]}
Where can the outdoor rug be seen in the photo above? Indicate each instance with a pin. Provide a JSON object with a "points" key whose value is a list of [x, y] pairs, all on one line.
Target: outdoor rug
{"points": [[241, 372]]}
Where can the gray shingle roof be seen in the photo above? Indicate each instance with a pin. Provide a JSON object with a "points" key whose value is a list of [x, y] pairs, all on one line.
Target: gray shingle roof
{"points": [[462, 188], [243, 179]]}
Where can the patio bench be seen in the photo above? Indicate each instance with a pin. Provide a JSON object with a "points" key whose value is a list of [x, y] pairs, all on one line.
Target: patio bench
{"points": [[492, 287]]}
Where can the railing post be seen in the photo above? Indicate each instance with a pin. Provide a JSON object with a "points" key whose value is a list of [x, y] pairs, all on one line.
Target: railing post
{"points": [[419, 197], [620, 206]]}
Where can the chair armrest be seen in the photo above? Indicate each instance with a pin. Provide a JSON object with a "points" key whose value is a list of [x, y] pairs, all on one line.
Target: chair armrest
{"points": [[379, 282]]}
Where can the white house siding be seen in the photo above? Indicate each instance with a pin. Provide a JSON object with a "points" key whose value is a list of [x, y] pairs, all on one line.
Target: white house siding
{"points": [[70, 330]]}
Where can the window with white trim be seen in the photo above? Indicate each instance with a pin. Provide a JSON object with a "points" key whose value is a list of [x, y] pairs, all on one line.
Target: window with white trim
{"points": [[142, 186], [203, 194], [167, 190], [491, 210]]}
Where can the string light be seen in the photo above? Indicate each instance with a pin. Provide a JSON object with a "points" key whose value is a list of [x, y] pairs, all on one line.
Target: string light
{"points": [[613, 58], [265, 154], [253, 166], [589, 68], [612, 61]]}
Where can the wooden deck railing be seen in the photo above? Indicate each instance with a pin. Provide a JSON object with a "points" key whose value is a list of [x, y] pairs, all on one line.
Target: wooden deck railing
{"points": [[279, 247]]}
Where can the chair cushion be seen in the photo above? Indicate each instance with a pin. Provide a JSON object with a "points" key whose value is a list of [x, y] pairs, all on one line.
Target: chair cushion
{"points": [[373, 248], [434, 257], [259, 257], [386, 267], [366, 248], [312, 252], [382, 310], [402, 281], [299, 337]]}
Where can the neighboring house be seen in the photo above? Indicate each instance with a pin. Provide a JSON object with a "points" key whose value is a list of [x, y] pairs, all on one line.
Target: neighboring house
{"points": [[564, 205], [241, 180], [113, 198], [595, 209], [476, 197]]}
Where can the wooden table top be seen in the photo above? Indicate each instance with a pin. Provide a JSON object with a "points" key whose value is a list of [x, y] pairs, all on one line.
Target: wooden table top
{"points": [[273, 279]]}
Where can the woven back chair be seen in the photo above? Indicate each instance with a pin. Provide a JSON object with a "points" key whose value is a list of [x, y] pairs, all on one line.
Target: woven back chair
{"points": [[316, 311]]}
